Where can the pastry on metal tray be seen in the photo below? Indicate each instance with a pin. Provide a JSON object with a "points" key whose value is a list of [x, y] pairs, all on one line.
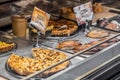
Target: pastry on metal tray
{"points": [[64, 28], [43, 58], [96, 33], [4, 47], [68, 44]]}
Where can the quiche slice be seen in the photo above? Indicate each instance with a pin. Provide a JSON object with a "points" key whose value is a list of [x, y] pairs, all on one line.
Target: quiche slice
{"points": [[23, 65], [4, 47], [68, 44], [50, 57]]}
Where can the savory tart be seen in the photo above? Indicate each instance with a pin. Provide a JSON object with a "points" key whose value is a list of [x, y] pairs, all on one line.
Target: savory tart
{"points": [[97, 48], [64, 28], [50, 57], [43, 58], [68, 44], [4, 47], [98, 34], [24, 65]]}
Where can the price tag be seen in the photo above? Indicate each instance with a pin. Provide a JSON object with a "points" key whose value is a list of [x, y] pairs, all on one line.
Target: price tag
{"points": [[83, 12], [40, 20]]}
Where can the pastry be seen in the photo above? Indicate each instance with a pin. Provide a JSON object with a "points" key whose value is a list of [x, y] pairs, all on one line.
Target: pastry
{"points": [[50, 57], [4, 47], [23, 65], [42, 58], [98, 34], [97, 48], [68, 44], [64, 28], [112, 26]]}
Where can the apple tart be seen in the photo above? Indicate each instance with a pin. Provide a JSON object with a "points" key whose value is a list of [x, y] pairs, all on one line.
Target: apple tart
{"points": [[4, 47], [43, 58], [50, 57]]}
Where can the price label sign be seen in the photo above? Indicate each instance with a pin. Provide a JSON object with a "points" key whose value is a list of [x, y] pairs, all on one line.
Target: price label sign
{"points": [[83, 12], [40, 20]]}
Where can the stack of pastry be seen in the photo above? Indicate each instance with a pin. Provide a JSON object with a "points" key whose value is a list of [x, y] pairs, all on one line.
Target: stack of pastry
{"points": [[68, 45]]}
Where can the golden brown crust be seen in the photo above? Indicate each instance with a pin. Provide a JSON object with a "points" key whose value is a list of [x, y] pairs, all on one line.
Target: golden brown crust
{"points": [[43, 58], [68, 44], [50, 57], [4, 47], [23, 65]]}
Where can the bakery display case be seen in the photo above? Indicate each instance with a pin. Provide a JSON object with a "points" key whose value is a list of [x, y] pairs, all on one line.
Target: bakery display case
{"points": [[66, 52]]}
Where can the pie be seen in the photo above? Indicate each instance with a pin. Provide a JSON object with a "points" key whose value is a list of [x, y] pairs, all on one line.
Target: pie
{"points": [[23, 65], [50, 57], [97, 48], [68, 44], [4, 47], [64, 28], [60, 27], [43, 58], [98, 34]]}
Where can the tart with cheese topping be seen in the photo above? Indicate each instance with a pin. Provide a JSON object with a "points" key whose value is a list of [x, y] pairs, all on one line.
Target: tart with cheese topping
{"points": [[4, 47], [50, 57], [43, 58]]}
